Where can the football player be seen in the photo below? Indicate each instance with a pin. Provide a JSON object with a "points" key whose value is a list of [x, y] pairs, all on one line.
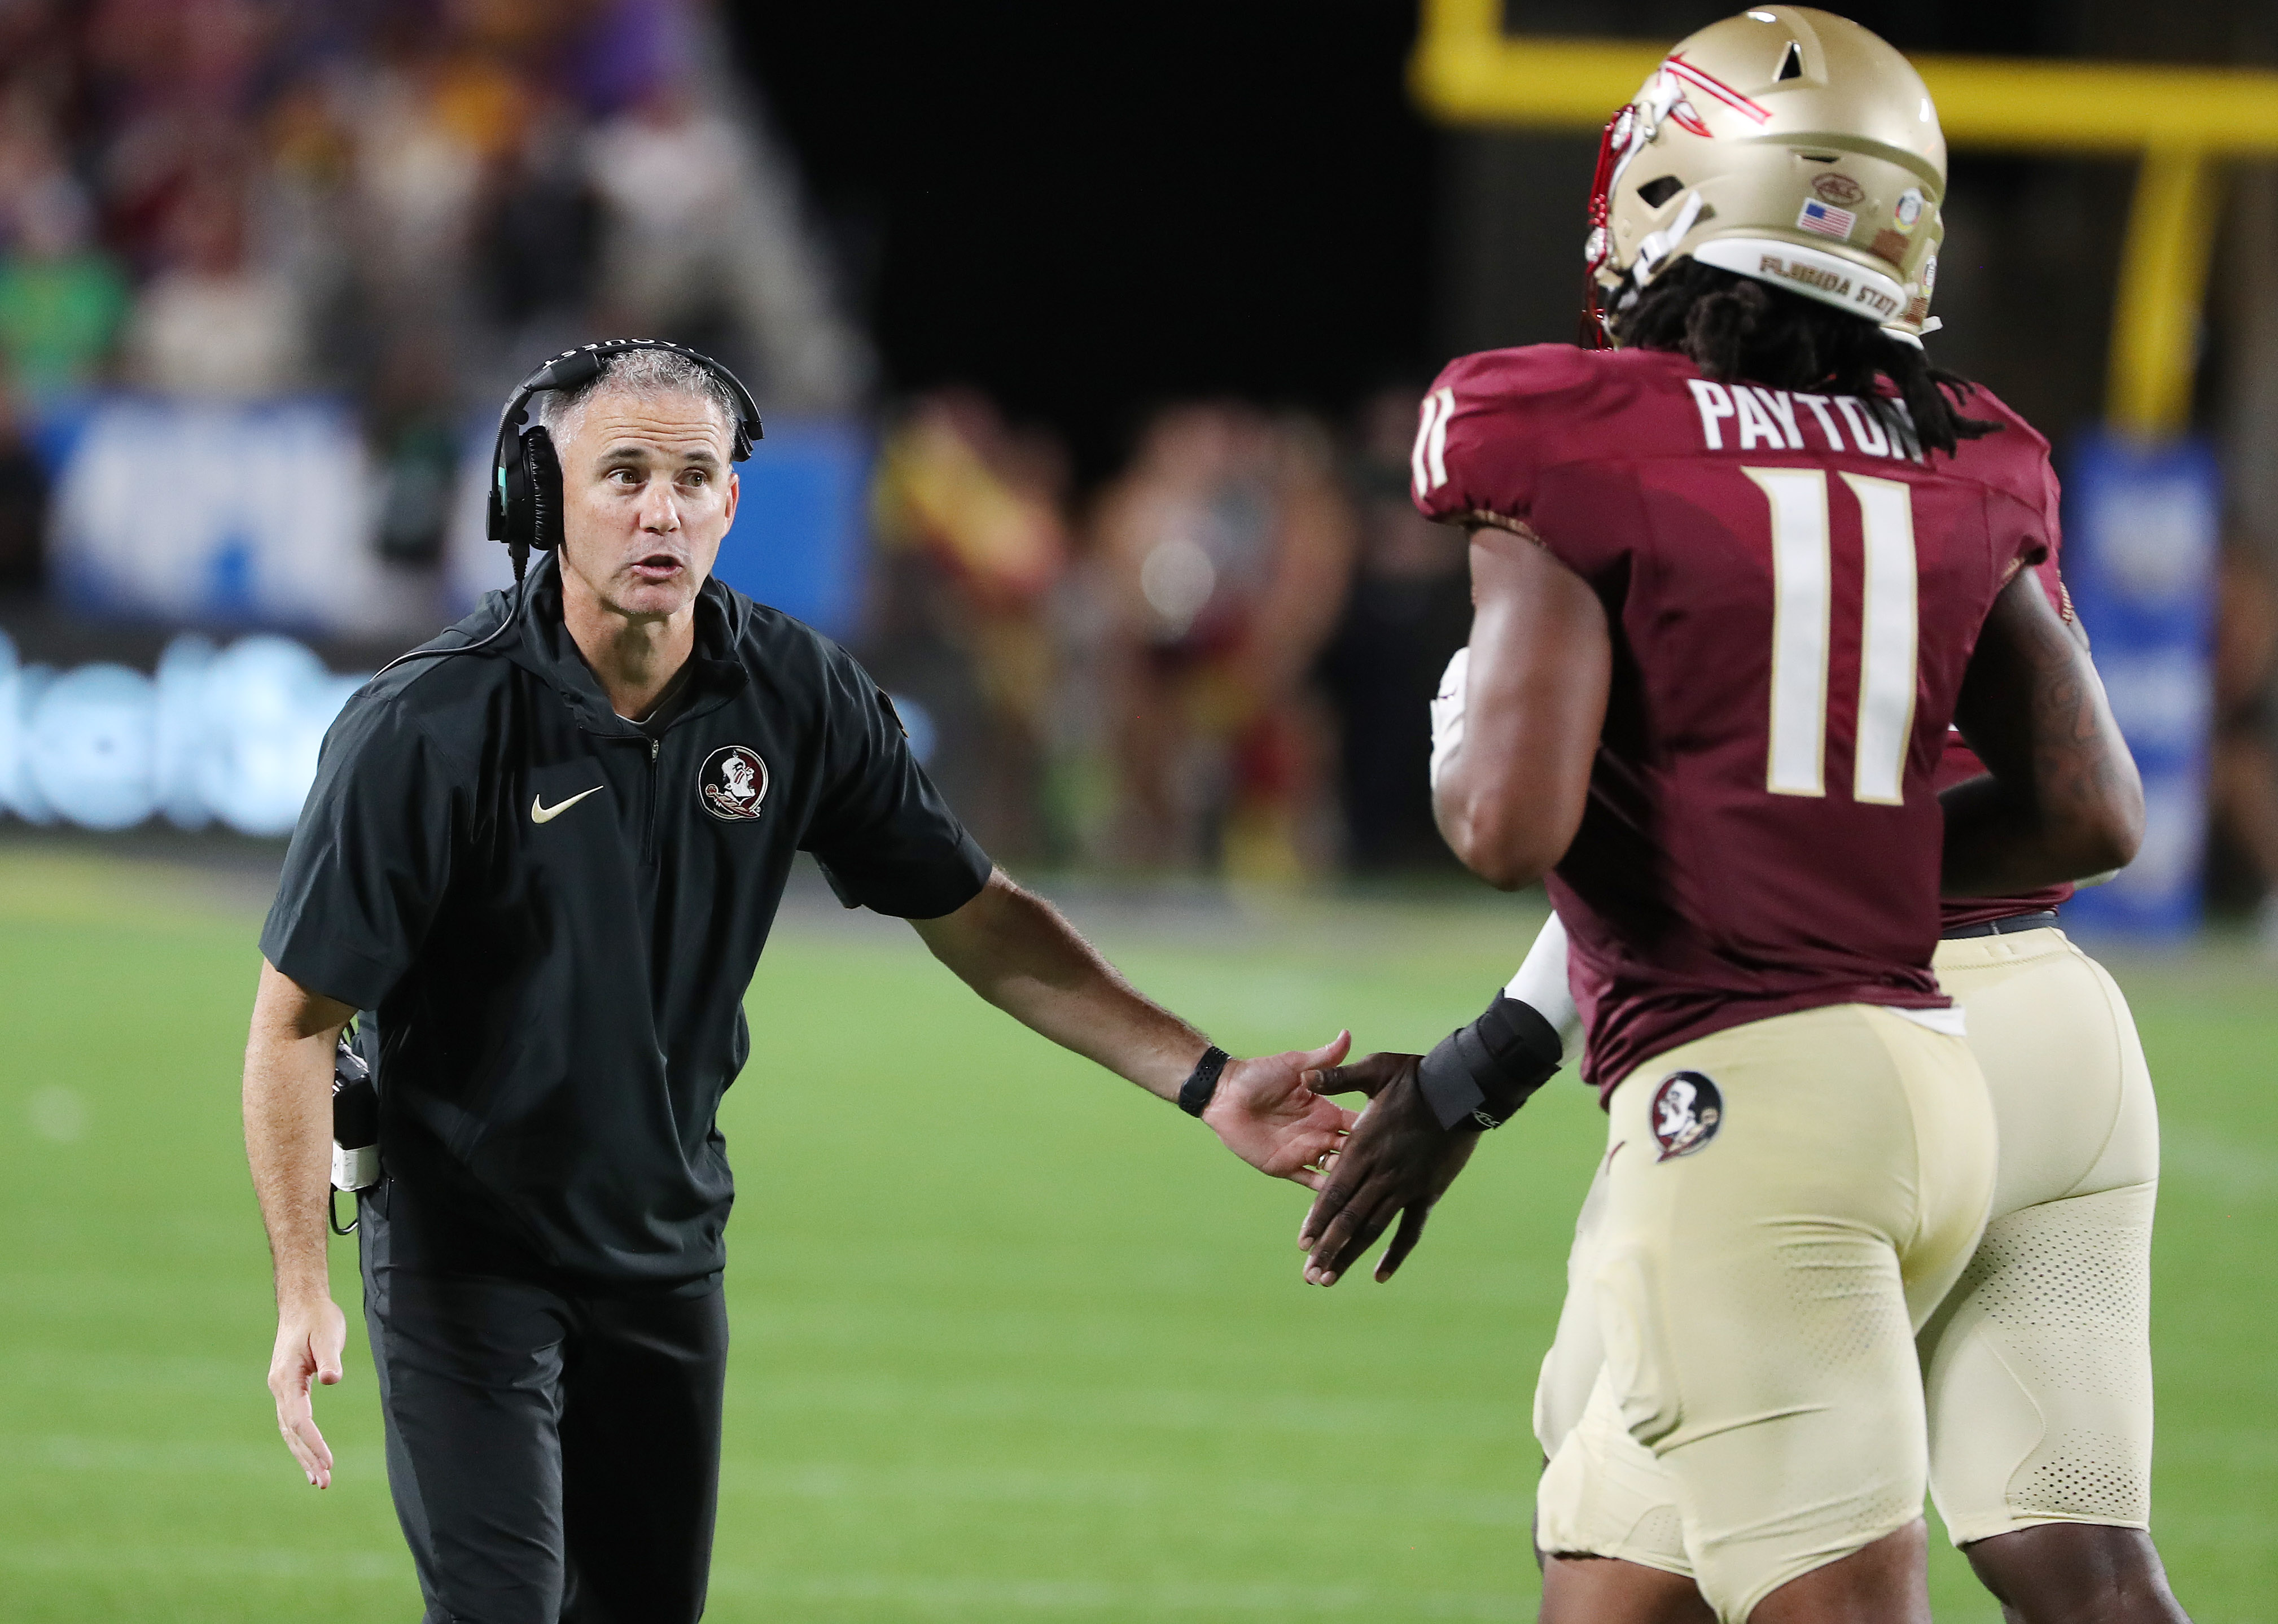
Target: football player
{"points": [[1734, 577], [2037, 1368]]}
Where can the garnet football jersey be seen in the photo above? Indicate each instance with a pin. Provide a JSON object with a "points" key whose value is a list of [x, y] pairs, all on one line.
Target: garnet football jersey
{"points": [[1793, 597]]}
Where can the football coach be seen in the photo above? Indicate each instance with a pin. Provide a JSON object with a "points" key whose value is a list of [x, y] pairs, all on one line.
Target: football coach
{"points": [[541, 857]]}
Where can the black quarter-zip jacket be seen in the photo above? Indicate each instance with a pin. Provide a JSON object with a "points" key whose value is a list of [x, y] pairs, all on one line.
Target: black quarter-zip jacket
{"points": [[551, 919]]}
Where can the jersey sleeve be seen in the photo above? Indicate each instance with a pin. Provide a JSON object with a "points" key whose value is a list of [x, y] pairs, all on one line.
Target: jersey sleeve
{"points": [[886, 839], [2015, 464], [1490, 425], [2053, 542], [371, 856]]}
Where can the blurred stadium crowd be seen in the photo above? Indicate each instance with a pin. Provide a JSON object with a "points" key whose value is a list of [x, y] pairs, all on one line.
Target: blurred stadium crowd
{"points": [[1216, 660], [403, 202], [403, 205], [1221, 658]]}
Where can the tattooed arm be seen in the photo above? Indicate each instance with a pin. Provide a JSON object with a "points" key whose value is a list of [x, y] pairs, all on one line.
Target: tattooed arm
{"points": [[2063, 800]]}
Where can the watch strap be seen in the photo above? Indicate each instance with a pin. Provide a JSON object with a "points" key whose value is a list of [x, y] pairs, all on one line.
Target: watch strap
{"points": [[1195, 1094]]}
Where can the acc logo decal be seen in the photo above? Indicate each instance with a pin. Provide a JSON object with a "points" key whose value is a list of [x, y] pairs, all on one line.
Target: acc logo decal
{"points": [[1687, 1110], [733, 783], [1839, 188]]}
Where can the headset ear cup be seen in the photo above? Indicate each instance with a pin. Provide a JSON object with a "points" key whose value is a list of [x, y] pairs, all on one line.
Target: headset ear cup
{"points": [[541, 471], [514, 498]]}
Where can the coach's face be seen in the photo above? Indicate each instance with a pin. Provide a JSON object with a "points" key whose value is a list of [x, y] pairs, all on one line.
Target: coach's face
{"points": [[646, 494]]}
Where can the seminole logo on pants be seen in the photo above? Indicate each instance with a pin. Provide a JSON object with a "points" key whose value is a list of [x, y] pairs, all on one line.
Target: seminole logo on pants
{"points": [[1686, 1110]]}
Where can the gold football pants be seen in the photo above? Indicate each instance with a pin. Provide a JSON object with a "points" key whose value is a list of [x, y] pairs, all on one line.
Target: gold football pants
{"points": [[2036, 1367], [1757, 1281]]}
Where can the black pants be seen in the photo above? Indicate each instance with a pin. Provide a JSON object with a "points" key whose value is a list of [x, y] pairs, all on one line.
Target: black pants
{"points": [[555, 1456]]}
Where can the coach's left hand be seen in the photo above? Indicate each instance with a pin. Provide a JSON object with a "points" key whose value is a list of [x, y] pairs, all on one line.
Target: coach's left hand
{"points": [[311, 1334], [1266, 1112], [1398, 1160]]}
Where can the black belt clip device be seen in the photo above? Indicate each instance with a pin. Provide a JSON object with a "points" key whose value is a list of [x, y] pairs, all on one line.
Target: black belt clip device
{"points": [[356, 1126]]}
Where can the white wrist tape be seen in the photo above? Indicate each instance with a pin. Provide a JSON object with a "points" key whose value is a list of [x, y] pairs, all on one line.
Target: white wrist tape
{"points": [[1448, 713], [1543, 982]]}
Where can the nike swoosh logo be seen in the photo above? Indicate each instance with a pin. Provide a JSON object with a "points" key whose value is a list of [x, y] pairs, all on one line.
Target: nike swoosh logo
{"points": [[540, 812]]}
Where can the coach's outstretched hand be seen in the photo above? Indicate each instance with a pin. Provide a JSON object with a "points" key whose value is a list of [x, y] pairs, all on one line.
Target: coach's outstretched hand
{"points": [[1398, 1160], [1016, 950], [1268, 1113]]}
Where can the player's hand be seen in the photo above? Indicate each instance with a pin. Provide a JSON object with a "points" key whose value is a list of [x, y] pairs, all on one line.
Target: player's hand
{"points": [[1268, 1116], [1398, 1161], [309, 1338]]}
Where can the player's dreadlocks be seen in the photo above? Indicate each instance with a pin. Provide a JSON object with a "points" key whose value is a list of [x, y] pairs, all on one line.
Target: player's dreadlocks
{"points": [[1736, 327]]}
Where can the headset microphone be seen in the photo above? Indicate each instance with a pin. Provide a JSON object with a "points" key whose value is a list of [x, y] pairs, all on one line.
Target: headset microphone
{"points": [[523, 509]]}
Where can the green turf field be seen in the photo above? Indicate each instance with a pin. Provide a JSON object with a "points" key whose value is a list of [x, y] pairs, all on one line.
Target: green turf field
{"points": [[1012, 1342]]}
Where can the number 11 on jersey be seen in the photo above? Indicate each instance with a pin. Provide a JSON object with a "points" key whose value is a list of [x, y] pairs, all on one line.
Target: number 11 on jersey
{"points": [[1802, 616]]}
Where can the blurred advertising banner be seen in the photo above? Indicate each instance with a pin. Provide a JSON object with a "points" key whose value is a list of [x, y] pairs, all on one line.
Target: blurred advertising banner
{"points": [[216, 735], [799, 542], [2142, 533], [267, 515], [216, 513], [264, 516], [801, 523]]}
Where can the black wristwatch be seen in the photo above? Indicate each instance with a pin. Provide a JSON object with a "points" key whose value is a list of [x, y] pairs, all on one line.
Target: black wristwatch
{"points": [[1480, 1075], [1202, 1083]]}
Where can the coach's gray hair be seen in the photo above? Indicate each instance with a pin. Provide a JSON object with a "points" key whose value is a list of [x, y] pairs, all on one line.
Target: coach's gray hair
{"points": [[639, 372]]}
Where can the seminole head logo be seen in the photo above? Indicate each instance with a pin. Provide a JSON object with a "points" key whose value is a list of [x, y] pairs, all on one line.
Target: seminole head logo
{"points": [[1686, 1111], [733, 783]]}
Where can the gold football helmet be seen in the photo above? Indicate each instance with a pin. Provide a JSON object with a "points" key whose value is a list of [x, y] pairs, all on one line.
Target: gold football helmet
{"points": [[1785, 144]]}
